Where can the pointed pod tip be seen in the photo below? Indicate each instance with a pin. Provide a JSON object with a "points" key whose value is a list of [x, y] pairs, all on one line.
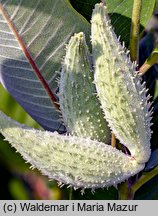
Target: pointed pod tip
{"points": [[76, 40], [100, 5], [79, 36]]}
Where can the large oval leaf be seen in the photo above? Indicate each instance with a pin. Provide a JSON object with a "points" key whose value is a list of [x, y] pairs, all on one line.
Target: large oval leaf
{"points": [[32, 39]]}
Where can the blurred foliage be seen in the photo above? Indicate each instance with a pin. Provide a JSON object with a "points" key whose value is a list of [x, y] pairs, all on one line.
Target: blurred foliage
{"points": [[156, 7], [18, 182], [148, 191], [18, 190], [14, 110]]}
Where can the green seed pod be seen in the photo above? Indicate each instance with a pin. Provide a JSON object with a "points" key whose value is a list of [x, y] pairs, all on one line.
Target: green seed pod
{"points": [[82, 163], [84, 160], [122, 96], [77, 97]]}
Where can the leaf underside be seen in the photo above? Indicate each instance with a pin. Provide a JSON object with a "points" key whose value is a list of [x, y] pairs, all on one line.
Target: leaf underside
{"points": [[29, 61]]}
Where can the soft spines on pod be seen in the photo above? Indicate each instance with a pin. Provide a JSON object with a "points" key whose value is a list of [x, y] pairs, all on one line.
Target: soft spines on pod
{"points": [[77, 94], [79, 162], [119, 88]]}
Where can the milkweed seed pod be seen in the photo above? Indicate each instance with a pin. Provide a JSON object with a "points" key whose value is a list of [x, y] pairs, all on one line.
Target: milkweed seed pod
{"points": [[83, 159], [80, 107], [80, 162], [122, 96]]}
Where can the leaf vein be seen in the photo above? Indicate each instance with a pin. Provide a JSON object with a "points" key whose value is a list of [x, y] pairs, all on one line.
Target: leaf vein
{"points": [[57, 49], [16, 10]]}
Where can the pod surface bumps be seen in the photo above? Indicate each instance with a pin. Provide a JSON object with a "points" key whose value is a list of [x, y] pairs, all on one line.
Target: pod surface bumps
{"points": [[77, 96], [82, 163], [122, 96], [84, 160]]}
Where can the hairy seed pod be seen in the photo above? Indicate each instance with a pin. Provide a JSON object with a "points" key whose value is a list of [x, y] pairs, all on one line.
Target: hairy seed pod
{"points": [[80, 162], [77, 97], [84, 160], [119, 88]]}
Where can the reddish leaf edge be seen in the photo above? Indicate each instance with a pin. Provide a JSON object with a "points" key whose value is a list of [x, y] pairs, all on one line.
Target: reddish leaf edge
{"points": [[30, 59]]}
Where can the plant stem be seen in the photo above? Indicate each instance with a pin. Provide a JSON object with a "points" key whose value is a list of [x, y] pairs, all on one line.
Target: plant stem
{"points": [[70, 193], [125, 192], [144, 68], [144, 178], [113, 141], [134, 37]]}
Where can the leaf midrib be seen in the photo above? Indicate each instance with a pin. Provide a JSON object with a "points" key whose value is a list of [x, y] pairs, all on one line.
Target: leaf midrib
{"points": [[30, 59]]}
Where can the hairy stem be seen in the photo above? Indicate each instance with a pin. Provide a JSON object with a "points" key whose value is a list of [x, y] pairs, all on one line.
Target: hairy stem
{"points": [[134, 37]]}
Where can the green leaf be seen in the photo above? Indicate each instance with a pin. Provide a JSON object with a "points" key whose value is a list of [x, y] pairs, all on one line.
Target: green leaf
{"points": [[32, 38], [151, 60], [84, 7], [18, 190], [120, 12]]}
